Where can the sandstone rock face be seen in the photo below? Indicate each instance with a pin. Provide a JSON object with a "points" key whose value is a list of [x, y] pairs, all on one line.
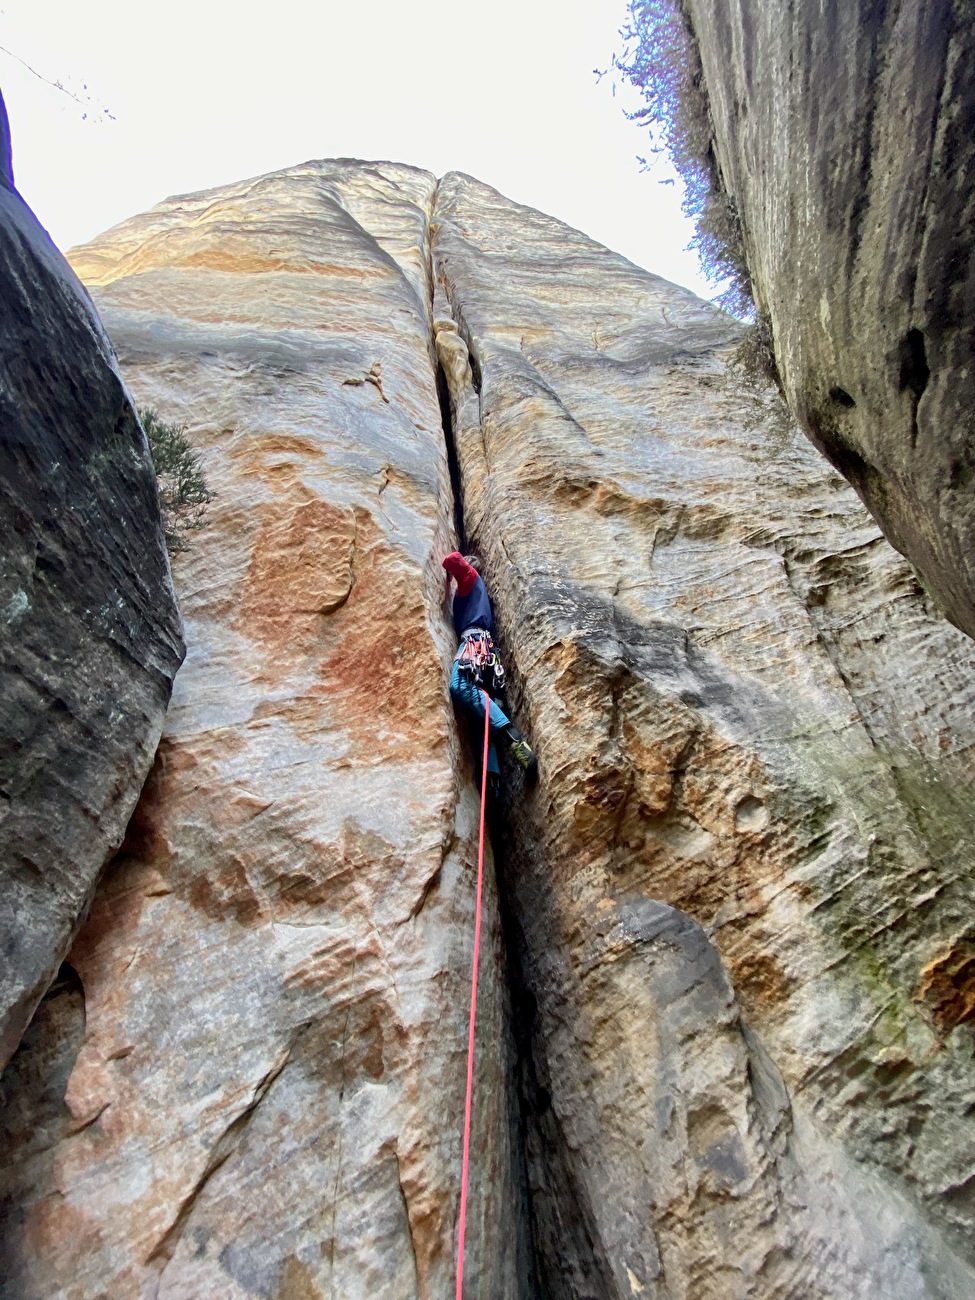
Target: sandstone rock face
{"points": [[89, 633], [726, 1027], [268, 1092], [744, 710], [844, 134]]}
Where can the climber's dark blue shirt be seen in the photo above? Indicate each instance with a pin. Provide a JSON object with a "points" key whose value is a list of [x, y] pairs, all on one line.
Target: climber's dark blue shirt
{"points": [[473, 610]]}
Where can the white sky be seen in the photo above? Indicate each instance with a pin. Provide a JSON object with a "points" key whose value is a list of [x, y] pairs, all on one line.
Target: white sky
{"points": [[205, 92]]}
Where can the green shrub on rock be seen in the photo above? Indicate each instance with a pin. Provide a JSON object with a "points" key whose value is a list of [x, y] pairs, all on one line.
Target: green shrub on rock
{"points": [[183, 491]]}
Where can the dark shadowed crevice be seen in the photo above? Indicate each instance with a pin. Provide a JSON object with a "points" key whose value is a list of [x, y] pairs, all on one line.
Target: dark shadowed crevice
{"points": [[557, 1253], [833, 434], [519, 1030], [526, 1091], [447, 420], [566, 1262], [914, 373], [34, 1117]]}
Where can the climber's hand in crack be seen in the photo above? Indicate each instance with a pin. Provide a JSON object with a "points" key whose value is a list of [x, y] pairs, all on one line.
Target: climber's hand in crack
{"points": [[477, 666]]}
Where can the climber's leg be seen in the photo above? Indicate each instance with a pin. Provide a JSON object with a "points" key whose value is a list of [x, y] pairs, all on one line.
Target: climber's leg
{"points": [[494, 773], [470, 696]]}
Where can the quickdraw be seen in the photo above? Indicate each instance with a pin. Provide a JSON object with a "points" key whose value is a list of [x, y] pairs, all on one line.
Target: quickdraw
{"points": [[480, 659]]}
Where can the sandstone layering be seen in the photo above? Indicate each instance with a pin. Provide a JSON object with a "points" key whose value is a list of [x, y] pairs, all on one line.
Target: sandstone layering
{"points": [[727, 998], [845, 134]]}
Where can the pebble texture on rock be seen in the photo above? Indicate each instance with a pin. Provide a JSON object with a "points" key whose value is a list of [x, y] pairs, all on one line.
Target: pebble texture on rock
{"points": [[845, 133], [89, 633], [267, 1096], [727, 1001], [744, 710]]}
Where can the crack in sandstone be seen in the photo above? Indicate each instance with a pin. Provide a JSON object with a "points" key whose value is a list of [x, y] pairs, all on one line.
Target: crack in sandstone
{"points": [[535, 1121], [529, 1281], [340, 1134], [409, 1221], [221, 1151]]}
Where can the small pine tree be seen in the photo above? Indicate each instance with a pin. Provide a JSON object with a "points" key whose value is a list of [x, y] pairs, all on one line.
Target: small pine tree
{"points": [[183, 491]]}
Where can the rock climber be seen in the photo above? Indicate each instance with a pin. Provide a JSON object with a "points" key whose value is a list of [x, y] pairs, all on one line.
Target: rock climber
{"points": [[477, 666]]}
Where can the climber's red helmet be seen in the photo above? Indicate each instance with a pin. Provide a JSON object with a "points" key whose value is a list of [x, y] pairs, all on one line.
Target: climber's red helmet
{"points": [[466, 569]]}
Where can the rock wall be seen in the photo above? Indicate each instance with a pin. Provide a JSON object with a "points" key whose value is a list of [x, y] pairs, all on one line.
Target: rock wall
{"points": [[89, 633], [744, 710], [844, 133], [726, 1003], [266, 1098]]}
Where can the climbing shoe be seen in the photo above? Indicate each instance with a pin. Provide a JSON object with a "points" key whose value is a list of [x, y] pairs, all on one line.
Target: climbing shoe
{"points": [[523, 753]]}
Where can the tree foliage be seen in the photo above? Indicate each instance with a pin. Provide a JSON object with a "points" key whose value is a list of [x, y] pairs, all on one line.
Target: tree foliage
{"points": [[661, 59], [183, 491]]}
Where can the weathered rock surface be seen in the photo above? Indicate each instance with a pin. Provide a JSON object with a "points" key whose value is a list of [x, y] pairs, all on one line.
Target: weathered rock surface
{"points": [[744, 710], [266, 1097], [89, 633], [737, 908], [845, 133]]}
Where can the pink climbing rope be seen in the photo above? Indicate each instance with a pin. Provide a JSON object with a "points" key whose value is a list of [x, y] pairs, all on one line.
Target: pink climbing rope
{"points": [[470, 1032]]}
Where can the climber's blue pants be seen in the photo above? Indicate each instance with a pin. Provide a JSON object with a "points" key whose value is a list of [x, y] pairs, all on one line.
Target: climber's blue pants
{"points": [[471, 698]]}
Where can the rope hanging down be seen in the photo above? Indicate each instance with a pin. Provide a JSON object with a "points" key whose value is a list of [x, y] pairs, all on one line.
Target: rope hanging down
{"points": [[470, 1032]]}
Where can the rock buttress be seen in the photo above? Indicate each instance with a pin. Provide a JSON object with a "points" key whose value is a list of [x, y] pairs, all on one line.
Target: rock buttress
{"points": [[267, 1099], [755, 742], [844, 135], [90, 636]]}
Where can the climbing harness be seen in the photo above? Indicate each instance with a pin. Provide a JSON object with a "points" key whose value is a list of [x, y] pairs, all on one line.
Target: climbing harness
{"points": [[473, 1015], [480, 660]]}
